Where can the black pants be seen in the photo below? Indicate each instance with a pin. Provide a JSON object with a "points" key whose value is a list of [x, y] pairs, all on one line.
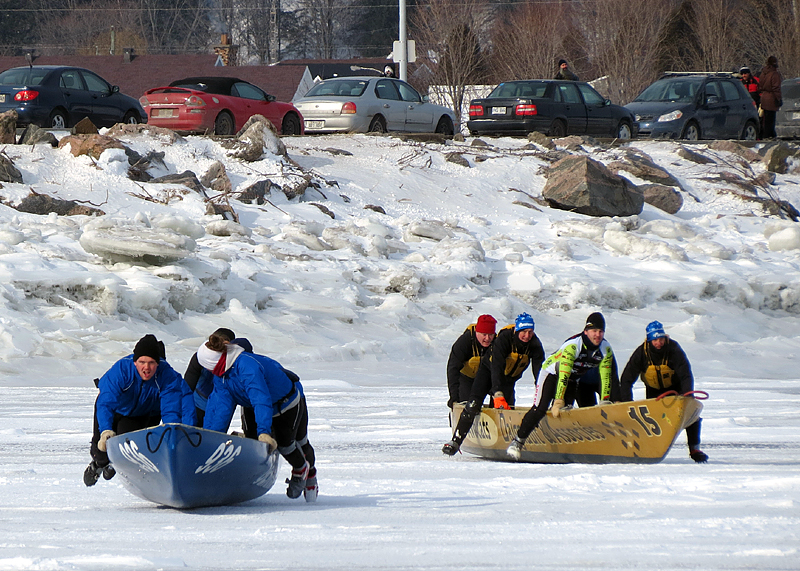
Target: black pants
{"points": [[535, 415], [769, 124], [290, 429], [692, 431], [120, 425], [481, 387]]}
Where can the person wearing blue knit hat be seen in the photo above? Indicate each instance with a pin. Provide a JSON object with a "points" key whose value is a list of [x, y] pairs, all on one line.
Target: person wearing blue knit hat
{"points": [[663, 366], [515, 348]]}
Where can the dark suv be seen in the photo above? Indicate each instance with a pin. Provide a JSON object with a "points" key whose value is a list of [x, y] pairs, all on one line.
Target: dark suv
{"points": [[696, 106]]}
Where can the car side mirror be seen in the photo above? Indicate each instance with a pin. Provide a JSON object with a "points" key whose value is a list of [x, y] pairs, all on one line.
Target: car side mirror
{"points": [[606, 102], [271, 98], [425, 99], [712, 99], [115, 89]]}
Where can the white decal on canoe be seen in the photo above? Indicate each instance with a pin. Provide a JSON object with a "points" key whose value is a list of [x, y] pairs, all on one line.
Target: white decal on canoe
{"points": [[131, 453], [222, 456]]}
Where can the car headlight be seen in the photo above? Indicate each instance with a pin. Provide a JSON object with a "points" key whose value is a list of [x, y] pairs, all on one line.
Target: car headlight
{"points": [[674, 116]]}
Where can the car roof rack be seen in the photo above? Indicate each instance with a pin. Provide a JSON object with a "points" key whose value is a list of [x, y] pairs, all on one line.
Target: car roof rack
{"points": [[715, 73]]}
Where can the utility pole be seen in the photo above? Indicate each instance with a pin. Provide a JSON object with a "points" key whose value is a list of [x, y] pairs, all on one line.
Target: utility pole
{"points": [[402, 57]]}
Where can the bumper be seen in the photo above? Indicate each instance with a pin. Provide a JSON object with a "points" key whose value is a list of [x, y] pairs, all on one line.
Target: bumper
{"points": [[788, 131], [508, 126], [28, 114], [336, 124], [660, 130], [194, 121]]}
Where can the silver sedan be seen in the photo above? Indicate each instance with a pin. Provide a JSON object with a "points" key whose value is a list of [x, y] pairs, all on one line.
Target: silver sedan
{"points": [[371, 104]]}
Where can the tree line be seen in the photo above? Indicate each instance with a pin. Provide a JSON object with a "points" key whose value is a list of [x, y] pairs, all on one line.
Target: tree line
{"points": [[459, 42]]}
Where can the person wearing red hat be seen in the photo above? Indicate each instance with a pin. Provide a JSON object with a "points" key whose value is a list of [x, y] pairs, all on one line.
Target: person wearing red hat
{"points": [[465, 356]]}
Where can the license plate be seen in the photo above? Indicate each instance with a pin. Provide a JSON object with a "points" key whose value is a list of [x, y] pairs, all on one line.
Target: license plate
{"points": [[498, 110], [795, 116], [315, 124], [163, 112], [2, 97]]}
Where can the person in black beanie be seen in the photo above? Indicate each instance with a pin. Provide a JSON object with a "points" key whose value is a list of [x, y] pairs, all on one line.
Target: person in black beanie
{"points": [[138, 391], [562, 371], [564, 72]]}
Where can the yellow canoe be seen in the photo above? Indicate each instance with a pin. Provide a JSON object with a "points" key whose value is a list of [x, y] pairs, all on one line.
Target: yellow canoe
{"points": [[638, 432]]}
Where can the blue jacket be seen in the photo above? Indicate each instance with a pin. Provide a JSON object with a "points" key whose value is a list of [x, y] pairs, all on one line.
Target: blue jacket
{"points": [[123, 392], [253, 381]]}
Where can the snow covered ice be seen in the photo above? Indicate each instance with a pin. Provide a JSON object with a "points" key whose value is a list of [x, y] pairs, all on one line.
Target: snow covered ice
{"points": [[364, 306]]}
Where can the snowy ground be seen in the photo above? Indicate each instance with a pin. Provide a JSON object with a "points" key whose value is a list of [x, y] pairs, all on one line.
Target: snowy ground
{"points": [[365, 310]]}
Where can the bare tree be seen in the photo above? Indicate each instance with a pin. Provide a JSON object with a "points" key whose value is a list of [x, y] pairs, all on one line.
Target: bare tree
{"points": [[772, 29], [326, 23], [448, 35], [715, 25], [528, 41]]}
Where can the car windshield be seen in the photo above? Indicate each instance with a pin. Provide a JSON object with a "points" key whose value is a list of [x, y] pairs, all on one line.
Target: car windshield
{"points": [[790, 90], [519, 89], [674, 89], [23, 76], [341, 87]]}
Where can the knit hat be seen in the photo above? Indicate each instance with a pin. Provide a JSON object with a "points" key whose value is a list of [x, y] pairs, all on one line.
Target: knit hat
{"points": [[655, 330], [744, 69], [595, 321], [149, 346], [226, 333], [523, 321], [561, 61], [773, 61], [486, 324]]}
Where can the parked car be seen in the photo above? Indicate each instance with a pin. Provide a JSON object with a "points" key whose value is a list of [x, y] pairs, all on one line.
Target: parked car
{"points": [[696, 106], [371, 104], [59, 97], [553, 107], [219, 105], [787, 120]]}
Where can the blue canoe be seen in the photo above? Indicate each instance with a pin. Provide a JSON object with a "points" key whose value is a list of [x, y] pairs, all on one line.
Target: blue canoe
{"points": [[183, 466]]}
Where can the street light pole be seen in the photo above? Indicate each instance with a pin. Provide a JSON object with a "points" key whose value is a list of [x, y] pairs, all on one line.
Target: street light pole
{"points": [[403, 55]]}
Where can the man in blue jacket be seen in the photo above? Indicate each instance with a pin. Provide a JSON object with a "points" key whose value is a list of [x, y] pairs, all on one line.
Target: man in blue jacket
{"points": [[138, 391]]}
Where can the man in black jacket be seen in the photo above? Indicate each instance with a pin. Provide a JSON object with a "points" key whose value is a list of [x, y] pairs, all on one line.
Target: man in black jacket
{"points": [[515, 348], [465, 357], [662, 366]]}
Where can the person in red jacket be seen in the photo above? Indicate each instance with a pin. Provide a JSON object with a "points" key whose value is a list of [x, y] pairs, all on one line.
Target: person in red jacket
{"points": [[751, 84]]}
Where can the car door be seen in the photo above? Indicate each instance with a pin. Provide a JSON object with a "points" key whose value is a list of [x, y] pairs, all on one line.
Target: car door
{"points": [[78, 98], [713, 111], [105, 107], [737, 109], [573, 107], [392, 107], [599, 115], [419, 114], [254, 101]]}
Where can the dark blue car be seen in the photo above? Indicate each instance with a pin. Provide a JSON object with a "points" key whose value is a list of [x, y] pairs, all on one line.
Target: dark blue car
{"points": [[553, 107], [59, 97]]}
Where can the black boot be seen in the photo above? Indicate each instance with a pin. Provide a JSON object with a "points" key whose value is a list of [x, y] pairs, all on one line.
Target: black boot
{"points": [[109, 472], [462, 428], [92, 473]]}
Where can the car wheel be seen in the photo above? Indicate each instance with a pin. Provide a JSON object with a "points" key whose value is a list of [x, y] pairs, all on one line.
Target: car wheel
{"points": [[750, 132], [131, 118], [290, 125], [58, 119], [378, 125], [624, 130], [445, 126], [691, 132], [223, 125], [557, 129]]}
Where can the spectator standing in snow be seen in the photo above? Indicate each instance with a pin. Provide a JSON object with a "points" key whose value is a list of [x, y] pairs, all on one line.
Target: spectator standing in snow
{"points": [[769, 87], [564, 72], [465, 357], [277, 399], [515, 348], [137, 392], [563, 371], [662, 366], [751, 84]]}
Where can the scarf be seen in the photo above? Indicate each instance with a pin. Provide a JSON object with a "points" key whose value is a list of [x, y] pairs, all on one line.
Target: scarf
{"points": [[218, 362]]}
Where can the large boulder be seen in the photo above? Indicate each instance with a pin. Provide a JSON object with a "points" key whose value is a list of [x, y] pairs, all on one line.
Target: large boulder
{"points": [[8, 127], [640, 165], [662, 197], [580, 184], [92, 145], [257, 136], [43, 204], [8, 172], [33, 135]]}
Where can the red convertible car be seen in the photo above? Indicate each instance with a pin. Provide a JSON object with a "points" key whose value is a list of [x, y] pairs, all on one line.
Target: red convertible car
{"points": [[219, 105]]}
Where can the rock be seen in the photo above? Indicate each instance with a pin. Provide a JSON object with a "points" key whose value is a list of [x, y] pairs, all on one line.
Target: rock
{"points": [[640, 165], [775, 156], [257, 136], [458, 138], [662, 197], [224, 210], [92, 145], [541, 139], [737, 149], [296, 189], [338, 152], [42, 204], [84, 127], [694, 157], [33, 135], [8, 172], [139, 164], [324, 209], [255, 192], [478, 143], [374, 208], [580, 184], [125, 129], [186, 178], [457, 158], [216, 178], [8, 127]]}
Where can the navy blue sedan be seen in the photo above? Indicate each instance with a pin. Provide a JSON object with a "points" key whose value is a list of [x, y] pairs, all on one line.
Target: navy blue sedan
{"points": [[59, 97], [556, 108]]}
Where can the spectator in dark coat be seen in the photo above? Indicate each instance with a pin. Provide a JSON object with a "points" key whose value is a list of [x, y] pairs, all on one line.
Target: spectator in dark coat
{"points": [[564, 72], [769, 87], [465, 357]]}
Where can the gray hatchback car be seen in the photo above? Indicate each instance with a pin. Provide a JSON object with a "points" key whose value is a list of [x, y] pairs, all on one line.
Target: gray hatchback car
{"points": [[371, 104], [696, 106], [787, 120]]}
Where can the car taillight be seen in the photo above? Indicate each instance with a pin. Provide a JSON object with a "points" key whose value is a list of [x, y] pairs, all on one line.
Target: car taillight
{"points": [[476, 110], [525, 109], [349, 108], [143, 101], [26, 95], [194, 101]]}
